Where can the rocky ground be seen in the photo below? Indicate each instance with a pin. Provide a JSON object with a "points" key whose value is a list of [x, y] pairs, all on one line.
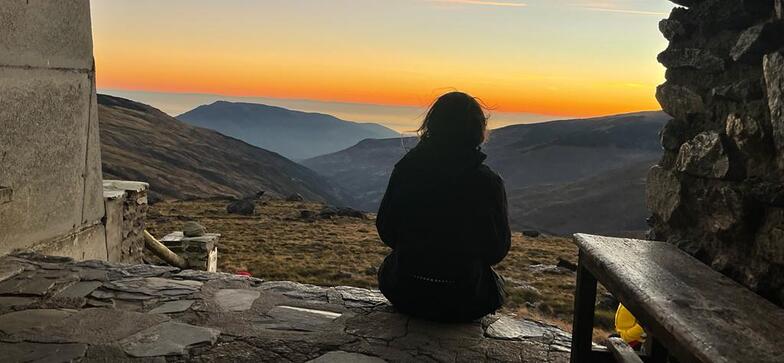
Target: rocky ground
{"points": [[290, 241], [55, 309]]}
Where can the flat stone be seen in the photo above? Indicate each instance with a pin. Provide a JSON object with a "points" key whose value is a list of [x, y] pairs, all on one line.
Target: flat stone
{"points": [[296, 290], [198, 275], [115, 354], [378, 325], [511, 329], [136, 271], [169, 338], [171, 307], [137, 288], [95, 264], [18, 321], [37, 352], [304, 319], [88, 274], [100, 326], [9, 270], [369, 297], [236, 299], [33, 286], [14, 301], [340, 356], [80, 289]]}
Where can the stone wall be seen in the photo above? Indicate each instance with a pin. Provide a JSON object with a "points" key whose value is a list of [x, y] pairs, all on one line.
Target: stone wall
{"points": [[126, 214], [718, 192], [50, 168]]}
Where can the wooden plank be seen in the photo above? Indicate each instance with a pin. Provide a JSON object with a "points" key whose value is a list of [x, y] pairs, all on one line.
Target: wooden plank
{"points": [[584, 306], [697, 313], [622, 352]]}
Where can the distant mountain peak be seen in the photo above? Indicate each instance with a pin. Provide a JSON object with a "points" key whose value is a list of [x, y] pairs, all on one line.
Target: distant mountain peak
{"points": [[294, 134]]}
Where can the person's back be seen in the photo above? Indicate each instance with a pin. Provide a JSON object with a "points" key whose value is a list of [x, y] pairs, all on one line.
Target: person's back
{"points": [[444, 214]]}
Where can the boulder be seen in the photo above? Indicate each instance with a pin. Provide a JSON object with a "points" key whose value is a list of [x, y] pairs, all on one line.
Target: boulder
{"points": [[193, 229], [663, 192], [672, 29], [307, 214], [770, 236], [740, 91], [704, 156], [679, 101], [531, 233], [329, 212], [243, 206], [746, 133], [695, 58], [756, 41], [566, 264], [673, 134], [773, 65], [296, 197]]}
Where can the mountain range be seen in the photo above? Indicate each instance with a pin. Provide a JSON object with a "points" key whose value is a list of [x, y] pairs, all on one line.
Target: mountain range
{"points": [[585, 175], [139, 142], [294, 134]]}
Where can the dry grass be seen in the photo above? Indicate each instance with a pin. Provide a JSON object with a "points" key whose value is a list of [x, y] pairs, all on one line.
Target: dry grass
{"points": [[276, 244]]}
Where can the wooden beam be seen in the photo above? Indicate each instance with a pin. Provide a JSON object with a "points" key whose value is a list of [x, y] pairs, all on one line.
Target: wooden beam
{"points": [[584, 305], [622, 352]]}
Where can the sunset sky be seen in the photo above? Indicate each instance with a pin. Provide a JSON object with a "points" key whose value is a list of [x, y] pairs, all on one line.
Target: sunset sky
{"points": [[545, 57]]}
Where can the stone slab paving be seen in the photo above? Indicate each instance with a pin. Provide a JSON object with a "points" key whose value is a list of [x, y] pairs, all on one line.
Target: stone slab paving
{"points": [[55, 309]]}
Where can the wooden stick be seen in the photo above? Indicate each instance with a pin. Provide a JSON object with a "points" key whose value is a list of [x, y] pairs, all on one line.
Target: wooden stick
{"points": [[163, 252]]}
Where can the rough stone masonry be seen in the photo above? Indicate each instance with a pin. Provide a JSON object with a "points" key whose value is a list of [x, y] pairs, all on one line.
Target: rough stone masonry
{"points": [[718, 191], [58, 309]]}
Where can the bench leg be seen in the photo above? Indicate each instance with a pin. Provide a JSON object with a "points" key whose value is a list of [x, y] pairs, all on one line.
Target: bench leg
{"points": [[582, 323], [659, 353]]}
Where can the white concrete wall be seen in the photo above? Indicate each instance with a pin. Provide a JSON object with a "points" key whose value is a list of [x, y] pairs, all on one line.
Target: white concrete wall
{"points": [[51, 195]]}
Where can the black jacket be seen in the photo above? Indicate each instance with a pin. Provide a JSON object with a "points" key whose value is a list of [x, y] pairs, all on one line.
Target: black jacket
{"points": [[444, 215]]}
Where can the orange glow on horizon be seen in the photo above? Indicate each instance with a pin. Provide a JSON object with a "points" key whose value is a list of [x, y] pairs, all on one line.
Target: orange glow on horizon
{"points": [[530, 67]]}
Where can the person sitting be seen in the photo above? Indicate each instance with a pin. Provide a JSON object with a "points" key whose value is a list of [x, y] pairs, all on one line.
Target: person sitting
{"points": [[444, 214]]}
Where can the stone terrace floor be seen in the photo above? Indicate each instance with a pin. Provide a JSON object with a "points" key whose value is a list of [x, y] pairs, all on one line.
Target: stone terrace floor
{"points": [[56, 309]]}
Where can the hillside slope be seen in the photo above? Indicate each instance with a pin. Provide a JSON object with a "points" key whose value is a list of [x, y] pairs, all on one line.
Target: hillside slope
{"points": [[294, 134], [139, 142], [563, 176]]}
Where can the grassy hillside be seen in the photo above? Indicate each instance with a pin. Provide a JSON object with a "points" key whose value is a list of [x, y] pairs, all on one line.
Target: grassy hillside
{"points": [[139, 142]]}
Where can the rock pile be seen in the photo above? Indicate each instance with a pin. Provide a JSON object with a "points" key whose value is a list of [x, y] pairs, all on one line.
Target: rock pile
{"points": [[717, 192]]}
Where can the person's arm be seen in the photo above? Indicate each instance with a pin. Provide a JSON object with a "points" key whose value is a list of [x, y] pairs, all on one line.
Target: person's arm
{"points": [[501, 236], [385, 219]]}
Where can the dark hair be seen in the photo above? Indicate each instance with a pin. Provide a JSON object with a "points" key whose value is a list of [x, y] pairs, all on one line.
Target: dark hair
{"points": [[455, 119]]}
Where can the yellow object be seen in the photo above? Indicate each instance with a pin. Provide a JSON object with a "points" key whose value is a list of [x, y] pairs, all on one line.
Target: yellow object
{"points": [[626, 325]]}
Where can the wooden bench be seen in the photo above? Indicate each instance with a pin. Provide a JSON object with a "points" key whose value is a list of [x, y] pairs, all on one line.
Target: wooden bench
{"points": [[692, 313]]}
